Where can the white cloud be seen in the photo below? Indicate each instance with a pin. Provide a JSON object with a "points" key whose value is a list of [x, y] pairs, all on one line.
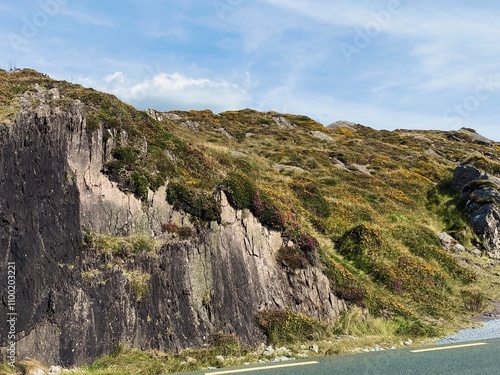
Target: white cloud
{"points": [[117, 77], [164, 91]]}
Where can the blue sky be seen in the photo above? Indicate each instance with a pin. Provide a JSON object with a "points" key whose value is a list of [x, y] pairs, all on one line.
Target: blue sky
{"points": [[385, 64]]}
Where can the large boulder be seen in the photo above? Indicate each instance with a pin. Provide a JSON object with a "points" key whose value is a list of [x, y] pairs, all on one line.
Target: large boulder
{"points": [[465, 174], [481, 203]]}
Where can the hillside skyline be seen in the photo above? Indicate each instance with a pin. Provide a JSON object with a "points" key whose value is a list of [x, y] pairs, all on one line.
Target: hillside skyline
{"points": [[383, 64]]}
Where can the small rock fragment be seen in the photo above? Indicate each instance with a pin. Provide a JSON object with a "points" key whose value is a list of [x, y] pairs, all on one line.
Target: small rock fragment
{"points": [[314, 348]]}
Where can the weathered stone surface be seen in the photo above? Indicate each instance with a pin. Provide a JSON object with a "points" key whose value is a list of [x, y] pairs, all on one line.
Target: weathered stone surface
{"points": [[420, 138], [283, 122], [361, 168], [238, 154], [320, 135], [55, 370], [224, 132], [430, 152], [475, 251], [340, 165], [481, 200], [281, 167], [52, 188], [343, 124], [159, 116], [465, 174], [447, 241], [475, 137]]}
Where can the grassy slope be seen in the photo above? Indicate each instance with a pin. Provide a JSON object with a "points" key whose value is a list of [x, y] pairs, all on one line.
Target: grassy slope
{"points": [[376, 235]]}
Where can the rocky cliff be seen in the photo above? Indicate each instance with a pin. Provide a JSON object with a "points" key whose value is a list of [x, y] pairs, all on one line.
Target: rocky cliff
{"points": [[76, 302], [163, 230]]}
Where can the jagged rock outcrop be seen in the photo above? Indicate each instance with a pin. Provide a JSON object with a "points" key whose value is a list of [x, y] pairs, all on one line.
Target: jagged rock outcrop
{"points": [[470, 135], [75, 303], [343, 125], [481, 201], [321, 135]]}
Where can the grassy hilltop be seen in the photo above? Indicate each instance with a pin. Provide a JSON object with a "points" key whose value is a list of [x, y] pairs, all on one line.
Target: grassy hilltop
{"points": [[363, 204]]}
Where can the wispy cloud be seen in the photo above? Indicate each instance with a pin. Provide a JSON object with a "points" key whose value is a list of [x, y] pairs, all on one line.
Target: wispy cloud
{"points": [[86, 18]]}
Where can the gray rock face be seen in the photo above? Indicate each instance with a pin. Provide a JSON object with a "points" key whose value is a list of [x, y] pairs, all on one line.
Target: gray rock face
{"points": [[481, 197], [343, 124], [447, 241], [465, 174], [475, 137], [52, 188], [282, 167], [320, 135], [283, 122]]}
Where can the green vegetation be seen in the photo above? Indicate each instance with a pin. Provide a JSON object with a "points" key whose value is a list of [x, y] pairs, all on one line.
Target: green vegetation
{"points": [[196, 203], [367, 207], [132, 361], [445, 203], [120, 247], [240, 189], [292, 257], [112, 253], [139, 281], [484, 163], [284, 326], [474, 300], [25, 366]]}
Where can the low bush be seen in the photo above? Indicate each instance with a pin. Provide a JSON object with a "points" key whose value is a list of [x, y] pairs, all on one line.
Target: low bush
{"points": [[240, 190], [172, 228], [283, 326], [423, 242], [291, 257], [118, 246], [474, 300], [225, 344], [185, 233], [169, 227], [344, 282], [197, 204], [139, 282]]}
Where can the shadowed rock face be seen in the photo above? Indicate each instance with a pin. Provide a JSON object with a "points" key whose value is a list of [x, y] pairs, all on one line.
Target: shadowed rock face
{"points": [[40, 230], [481, 197], [52, 188]]}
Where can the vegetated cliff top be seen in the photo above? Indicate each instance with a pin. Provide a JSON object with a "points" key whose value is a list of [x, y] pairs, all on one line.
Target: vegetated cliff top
{"points": [[365, 200]]}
